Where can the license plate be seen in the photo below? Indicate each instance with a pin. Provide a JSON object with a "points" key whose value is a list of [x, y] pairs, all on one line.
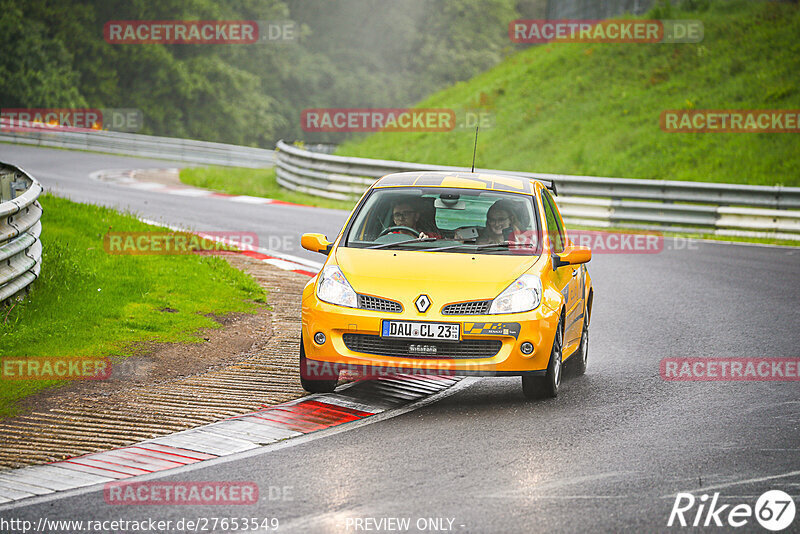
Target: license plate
{"points": [[415, 330]]}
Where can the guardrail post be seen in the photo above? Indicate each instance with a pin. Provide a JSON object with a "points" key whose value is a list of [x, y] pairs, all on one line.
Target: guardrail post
{"points": [[18, 185], [5, 187]]}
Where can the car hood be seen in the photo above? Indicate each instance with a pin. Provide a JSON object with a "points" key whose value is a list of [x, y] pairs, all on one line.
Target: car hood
{"points": [[444, 277]]}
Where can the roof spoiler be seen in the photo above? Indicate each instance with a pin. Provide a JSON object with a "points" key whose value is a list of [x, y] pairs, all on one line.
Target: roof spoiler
{"points": [[549, 184]]}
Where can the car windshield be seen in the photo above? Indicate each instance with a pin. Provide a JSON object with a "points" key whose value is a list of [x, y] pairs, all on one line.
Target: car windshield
{"points": [[446, 220]]}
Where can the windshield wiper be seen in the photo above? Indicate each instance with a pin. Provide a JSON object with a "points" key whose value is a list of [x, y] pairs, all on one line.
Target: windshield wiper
{"points": [[504, 244], [417, 240], [471, 246]]}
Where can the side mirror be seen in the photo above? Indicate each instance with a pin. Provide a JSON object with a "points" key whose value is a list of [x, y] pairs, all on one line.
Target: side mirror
{"points": [[316, 243], [572, 256]]}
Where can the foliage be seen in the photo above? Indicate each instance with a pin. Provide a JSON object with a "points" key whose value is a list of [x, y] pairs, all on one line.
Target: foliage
{"points": [[351, 53]]}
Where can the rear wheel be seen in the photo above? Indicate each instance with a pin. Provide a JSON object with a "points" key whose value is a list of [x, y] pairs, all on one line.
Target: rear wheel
{"points": [[312, 379], [546, 387]]}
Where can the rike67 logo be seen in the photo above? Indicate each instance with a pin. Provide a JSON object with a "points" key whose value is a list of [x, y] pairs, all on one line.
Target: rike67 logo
{"points": [[774, 510]]}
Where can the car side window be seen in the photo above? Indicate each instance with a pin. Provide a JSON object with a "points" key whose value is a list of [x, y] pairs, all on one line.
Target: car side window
{"points": [[554, 228]]}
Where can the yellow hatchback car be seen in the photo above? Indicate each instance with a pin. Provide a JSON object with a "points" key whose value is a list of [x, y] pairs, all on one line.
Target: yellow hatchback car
{"points": [[448, 273]]}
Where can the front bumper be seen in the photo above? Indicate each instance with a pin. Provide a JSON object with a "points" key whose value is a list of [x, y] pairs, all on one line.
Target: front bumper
{"points": [[537, 327]]}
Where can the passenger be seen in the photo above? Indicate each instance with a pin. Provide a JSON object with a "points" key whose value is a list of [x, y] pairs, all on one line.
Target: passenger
{"points": [[502, 224]]}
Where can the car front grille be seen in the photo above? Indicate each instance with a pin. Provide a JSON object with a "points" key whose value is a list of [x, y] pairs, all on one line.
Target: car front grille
{"points": [[475, 307], [366, 302], [465, 349]]}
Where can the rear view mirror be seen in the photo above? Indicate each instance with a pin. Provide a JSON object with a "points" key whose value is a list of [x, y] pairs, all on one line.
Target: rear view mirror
{"points": [[572, 256], [316, 243], [449, 204]]}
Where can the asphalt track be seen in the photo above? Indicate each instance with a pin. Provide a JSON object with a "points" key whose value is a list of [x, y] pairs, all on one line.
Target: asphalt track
{"points": [[608, 455], [65, 173]]}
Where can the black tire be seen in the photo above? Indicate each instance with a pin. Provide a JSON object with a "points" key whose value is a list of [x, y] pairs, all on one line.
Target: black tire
{"points": [[581, 356], [546, 387], [315, 384]]}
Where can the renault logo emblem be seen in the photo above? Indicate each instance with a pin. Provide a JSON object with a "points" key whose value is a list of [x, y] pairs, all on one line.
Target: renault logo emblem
{"points": [[422, 303]]}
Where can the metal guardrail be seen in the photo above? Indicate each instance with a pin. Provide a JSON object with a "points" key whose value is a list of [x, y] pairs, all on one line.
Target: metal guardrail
{"points": [[20, 229], [148, 146], [722, 209]]}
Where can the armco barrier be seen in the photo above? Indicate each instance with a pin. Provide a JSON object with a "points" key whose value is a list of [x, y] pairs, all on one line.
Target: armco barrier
{"points": [[721, 209], [20, 228], [129, 144]]}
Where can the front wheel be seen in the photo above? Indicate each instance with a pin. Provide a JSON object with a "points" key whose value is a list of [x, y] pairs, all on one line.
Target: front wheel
{"points": [[546, 387], [314, 381]]}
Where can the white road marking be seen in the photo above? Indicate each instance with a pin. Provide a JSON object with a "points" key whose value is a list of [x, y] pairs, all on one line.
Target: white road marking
{"points": [[189, 192], [147, 185], [282, 255], [250, 200], [518, 492], [705, 489], [283, 264]]}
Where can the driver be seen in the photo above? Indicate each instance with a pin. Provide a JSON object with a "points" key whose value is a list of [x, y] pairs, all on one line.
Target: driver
{"points": [[405, 213]]}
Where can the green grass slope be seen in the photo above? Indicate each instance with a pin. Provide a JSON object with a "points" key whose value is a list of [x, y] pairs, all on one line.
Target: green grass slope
{"points": [[593, 109], [90, 303]]}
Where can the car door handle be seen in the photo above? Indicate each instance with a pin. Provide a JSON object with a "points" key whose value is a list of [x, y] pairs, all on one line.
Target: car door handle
{"points": [[575, 273]]}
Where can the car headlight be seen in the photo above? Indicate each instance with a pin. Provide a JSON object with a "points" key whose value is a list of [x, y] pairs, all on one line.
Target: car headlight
{"points": [[334, 288], [524, 294]]}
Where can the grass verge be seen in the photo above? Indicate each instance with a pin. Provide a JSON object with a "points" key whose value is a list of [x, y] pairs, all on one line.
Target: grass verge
{"points": [[253, 182], [90, 303]]}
